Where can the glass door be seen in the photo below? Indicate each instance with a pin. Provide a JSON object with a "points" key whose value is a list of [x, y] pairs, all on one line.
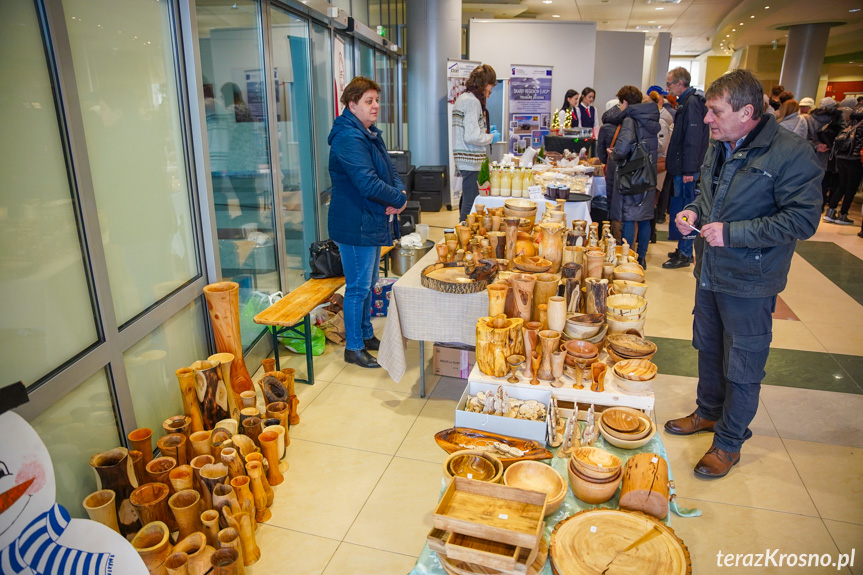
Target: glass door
{"points": [[367, 60], [322, 86]]}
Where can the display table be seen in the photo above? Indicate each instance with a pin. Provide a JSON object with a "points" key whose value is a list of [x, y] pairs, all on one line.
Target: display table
{"points": [[572, 143], [573, 210]]}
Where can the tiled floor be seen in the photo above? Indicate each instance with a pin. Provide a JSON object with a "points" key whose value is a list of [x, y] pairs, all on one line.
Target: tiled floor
{"points": [[363, 472]]}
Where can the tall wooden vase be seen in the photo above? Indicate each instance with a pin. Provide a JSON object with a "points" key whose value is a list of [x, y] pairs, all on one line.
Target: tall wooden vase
{"points": [[223, 303], [522, 293], [546, 286], [211, 393], [531, 344], [224, 361], [101, 507], [496, 298], [511, 231], [551, 244], [270, 447], [112, 471], [548, 340], [186, 378]]}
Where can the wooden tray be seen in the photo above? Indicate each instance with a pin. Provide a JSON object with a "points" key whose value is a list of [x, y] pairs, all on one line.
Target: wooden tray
{"points": [[596, 541], [528, 563], [458, 438], [482, 276], [491, 511], [482, 551]]}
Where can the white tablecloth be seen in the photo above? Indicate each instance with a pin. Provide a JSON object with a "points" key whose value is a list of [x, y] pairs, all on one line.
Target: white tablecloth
{"points": [[574, 210]]}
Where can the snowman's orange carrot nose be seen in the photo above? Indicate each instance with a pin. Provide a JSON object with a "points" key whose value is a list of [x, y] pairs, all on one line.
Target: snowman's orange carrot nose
{"points": [[9, 497]]}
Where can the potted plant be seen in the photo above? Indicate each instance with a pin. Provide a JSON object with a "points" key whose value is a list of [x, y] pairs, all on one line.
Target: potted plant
{"points": [[483, 178]]}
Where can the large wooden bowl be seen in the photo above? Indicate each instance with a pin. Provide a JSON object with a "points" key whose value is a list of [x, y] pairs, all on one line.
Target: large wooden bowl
{"points": [[626, 443], [458, 438], [536, 476], [628, 286], [591, 492], [520, 204], [629, 271], [464, 464], [595, 462], [626, 304], [533, 264], [631, 346], [613, 354], [643, 423], [583, 326], [580, 349], [631, 327], [635, 369]]}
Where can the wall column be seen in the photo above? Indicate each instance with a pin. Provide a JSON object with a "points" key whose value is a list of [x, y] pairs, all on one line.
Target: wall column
{"points": [[434, 35], [804, 57]]}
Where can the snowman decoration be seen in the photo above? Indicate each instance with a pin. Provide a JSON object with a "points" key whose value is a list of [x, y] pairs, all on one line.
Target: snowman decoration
{"points": [[37, 535]]}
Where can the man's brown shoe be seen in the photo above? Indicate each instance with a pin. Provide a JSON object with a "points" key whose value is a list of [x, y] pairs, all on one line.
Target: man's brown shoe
{"points": [[716, 463], [688, 425]]}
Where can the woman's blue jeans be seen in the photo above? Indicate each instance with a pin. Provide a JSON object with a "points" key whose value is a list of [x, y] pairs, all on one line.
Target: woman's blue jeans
{"points": [[361, 266], [643, 236]]}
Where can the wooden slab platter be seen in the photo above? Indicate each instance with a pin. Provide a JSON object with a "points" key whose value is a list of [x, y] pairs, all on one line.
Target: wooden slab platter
{"points": [[454, 277], [616, 543], [458, 438], [453, 567]]}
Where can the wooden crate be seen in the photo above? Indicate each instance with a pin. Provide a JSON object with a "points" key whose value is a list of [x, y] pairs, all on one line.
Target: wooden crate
{"points": [[437, 541]]}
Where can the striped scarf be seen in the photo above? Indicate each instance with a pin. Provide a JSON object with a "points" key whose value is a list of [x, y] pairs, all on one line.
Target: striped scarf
{"points": [[36, 551]]}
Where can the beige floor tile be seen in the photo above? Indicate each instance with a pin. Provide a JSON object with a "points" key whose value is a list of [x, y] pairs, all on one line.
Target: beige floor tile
{"points": [[743, 530], [831, 474], [279, 552], [398, 515], [360, 418], [437, 415], [308, 393], [848, 537], [380, 379], [443, 219], [327, 365], [837, 337], [675, 397], [791, 411], [795, 335], [325, 487], [765, 478], [357, 560]]}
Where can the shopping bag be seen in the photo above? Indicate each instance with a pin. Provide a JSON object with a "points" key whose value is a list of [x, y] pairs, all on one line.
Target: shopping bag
{"points": [[296, 341]]}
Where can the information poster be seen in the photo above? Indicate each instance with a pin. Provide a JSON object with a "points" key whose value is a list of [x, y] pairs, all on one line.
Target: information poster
{"points": [[529, 105], [457, 73], [340, 77]]}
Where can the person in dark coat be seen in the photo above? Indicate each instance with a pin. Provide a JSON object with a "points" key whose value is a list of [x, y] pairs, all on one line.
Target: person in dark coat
{"points": [[611, 120], [640, 124], [585, 113], [826, 122], [849, 167], [684, 156], [367, 194]]}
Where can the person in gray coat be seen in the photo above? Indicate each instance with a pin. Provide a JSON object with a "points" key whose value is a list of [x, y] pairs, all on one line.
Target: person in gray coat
{"points": [[640, 124]]}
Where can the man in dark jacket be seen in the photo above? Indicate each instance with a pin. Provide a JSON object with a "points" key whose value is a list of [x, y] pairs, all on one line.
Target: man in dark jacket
{"points": [[759, 194], [683, 158]]}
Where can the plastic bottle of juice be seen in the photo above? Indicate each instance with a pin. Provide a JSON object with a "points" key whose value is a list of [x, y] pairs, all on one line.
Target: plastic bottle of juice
{"points": [[506, 183], [517, 183], [494, 180]]}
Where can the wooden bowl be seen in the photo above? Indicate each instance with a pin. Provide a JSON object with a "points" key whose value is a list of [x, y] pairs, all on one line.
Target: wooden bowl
{"points": [[627, 443], [572, 467], [536, 476], [631, 346], [520, 204], [635, 369], [580, 349], [613, 354], [590, 492], [620, 420], [534, 264], [628, 286], [631, 327], [645, 426], [595, 462], [629, 271], [469, 462], [626, 304], [583, 326]]}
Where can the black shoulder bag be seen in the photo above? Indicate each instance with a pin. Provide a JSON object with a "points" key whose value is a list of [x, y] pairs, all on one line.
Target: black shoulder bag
{"points": [[325, 260], [637, 174]]}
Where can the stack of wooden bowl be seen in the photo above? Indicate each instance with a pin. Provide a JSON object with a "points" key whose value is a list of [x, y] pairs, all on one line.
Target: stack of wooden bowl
{"points": [[585, 326], [537, 476], [594, 474], [634, 375], [623, 346], [625, 427], [520, 208], [628, 286], [580, 353], [626, 313], [473, 464]]}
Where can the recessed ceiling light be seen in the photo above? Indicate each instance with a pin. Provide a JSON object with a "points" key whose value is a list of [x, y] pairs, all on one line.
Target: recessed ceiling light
{"points": [[753, 16], [854, 10], [734, 29], [767, 7], [546, 1], [728, 36], [660, 8], [555, 15], [741, 23]]}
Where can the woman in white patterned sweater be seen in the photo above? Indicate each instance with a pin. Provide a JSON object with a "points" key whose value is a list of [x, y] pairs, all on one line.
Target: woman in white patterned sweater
{"points": [[470, 137]]}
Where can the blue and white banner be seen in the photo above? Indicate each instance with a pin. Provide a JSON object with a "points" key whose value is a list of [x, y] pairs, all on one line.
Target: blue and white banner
{"points": [[529, 104]]}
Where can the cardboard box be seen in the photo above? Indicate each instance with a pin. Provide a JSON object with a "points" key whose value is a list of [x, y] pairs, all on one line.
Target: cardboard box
{"points": [[535, 430], [453, 360]]}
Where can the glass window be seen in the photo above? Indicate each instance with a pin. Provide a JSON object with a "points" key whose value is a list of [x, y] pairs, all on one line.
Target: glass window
{"points": [[124, 67], [290, 37], [404, 102], [349, 58], [151, 363], [360, 10], [367, 61], [47, 316], [343, 4], [235, 102], [382, 77], [322, 76], [73, 430]]}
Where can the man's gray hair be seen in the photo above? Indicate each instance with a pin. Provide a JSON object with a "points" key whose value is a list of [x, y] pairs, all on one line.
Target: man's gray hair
{"points": [[681, 74], [740, 88]]}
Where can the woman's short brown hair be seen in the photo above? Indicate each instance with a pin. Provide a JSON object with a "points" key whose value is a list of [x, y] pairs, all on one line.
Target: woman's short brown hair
{"points": [[481, 77], [630, 94], [356, 88]]}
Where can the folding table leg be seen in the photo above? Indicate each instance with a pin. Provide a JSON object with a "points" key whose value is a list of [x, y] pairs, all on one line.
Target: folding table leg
{"points": [[422, 369], [273, 330], [310, 364]]}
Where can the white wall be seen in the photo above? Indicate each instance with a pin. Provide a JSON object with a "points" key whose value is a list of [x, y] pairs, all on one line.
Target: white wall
{"points": [[570, 47], [620, 60]]}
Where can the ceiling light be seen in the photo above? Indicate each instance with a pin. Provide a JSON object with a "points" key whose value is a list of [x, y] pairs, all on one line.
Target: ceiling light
{"points": [[728, 35], [546, 1], [767, 7], [734, 29], [555, 15], [651, 21], [854, 10], [660, 8], [753, 16]]}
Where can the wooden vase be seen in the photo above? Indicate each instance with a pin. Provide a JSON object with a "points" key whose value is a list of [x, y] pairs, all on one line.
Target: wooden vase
{"points": [[210, 526], [230, 539], [212, 474], [223, 303], [442, 252], [223, 494], [511, 231], [224, 361], [597, 293], [226, 561], [178, 424], [246, 413], [212, 394], [274, 386], [542, 309], [182, 477], [185, 505], [239, 518], [159, 470], [269, 364], [242, 488], [153, 544], [174, 445], [496, 339], [597, 371], [281, 411], [177, 564], [551, 244], [270, 448], [197, 464], [101, 506], [234, 462], [189, 395], [259, 457], [531, 344], [548, 340], [249, 398], [496, 298], [523, 286], [195, 546], [276, 428], [139, 473], [595, 259], [141, 439], [558, 359], [151, 503], [252, 429], [556, 313], [255, 471], [546, 286], [573, 296], [200, 441], [112, 469], [497, 241], [571, 270]]}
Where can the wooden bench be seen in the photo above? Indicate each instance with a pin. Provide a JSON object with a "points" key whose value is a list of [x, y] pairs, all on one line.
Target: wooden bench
{"points": [[284, 316]]}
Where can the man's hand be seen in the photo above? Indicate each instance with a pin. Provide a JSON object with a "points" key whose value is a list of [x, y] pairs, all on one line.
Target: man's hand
{"points": [[685, 226], [821, 148], [688, 179], [713, 234]]}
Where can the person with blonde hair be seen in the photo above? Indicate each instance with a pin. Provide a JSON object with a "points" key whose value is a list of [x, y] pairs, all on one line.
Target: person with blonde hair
{"points": [[790, 118]]}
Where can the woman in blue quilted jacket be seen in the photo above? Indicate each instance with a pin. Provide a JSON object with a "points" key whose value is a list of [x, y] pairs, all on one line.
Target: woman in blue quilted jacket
{"points": [[367, 194]]}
